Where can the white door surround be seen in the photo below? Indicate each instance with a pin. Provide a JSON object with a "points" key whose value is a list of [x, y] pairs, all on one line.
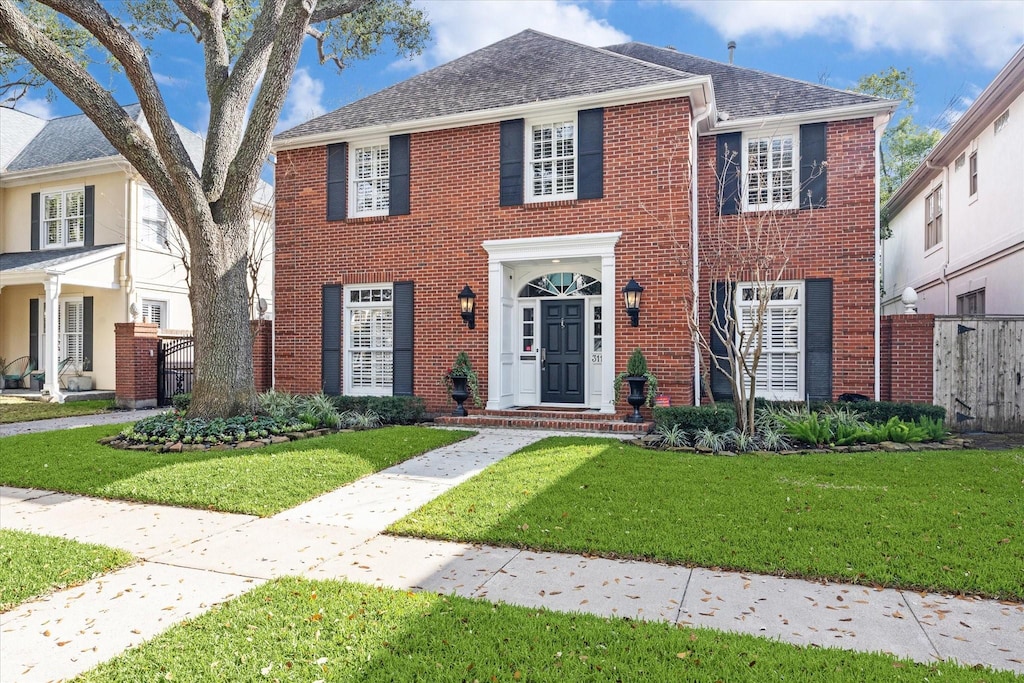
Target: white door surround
{"points": [[520, 257]]}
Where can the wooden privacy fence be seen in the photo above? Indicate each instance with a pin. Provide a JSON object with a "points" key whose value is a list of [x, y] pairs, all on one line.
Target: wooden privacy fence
{"points": [[979, 363]]}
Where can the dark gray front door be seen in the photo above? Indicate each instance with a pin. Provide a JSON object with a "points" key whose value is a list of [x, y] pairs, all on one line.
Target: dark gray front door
{"points": [[562, 371]]}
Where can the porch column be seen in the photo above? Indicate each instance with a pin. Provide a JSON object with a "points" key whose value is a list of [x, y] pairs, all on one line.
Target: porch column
{"points": [[609, 300], [52, 287], [494, 285]]}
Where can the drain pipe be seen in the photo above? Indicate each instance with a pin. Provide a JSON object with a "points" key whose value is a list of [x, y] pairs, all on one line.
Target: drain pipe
{"points": [[880, 122], [694, 168]]}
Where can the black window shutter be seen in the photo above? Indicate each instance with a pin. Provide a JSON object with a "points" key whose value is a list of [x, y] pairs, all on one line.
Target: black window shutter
{"points": [[721, 387], [401, 383], [398, 172], [331, 312], [591, 154], [35, 221], [337, 182], [728, 166], [87, 308], [90, 215], [33, 331], [818, 339], [511, 150], [813, 169]]}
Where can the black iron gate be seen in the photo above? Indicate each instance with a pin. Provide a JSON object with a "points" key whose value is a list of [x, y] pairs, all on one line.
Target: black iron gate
{"points": [[174, 371]]}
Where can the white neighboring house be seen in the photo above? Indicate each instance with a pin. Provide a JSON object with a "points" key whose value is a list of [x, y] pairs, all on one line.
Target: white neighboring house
{"points": [[84, 243], [957, 225]]}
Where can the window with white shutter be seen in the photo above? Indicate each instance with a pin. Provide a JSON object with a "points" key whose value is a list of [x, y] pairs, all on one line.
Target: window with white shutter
{"points": [[369, 340], [71, 328], [63, 218], [369, 176], [551, 161], [154, 220], [780, 375], [153, 312]]}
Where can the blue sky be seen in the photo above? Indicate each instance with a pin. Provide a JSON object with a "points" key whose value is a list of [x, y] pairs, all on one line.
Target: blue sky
{"points": [[954, 48]]}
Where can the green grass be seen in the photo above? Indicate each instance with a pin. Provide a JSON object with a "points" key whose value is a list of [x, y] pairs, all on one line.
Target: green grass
{"points": [[299, 630], [32, 565], [260, 481], [14, 409], [942, 520]]}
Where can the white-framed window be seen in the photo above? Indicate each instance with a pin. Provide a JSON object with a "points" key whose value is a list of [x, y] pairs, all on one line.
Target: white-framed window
{"points": [[933, 218], [71, 325], [770, 172], [369, 340], [63, 216], [1001, 122], [369, 179], [154, 220], [551, 160], [973, 178], [971, 303], [154, 312], [780, 371]]}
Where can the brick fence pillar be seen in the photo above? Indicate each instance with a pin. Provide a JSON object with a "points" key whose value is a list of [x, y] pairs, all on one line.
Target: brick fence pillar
{"points": [[263, 354], [907, 352], [135, 346]]}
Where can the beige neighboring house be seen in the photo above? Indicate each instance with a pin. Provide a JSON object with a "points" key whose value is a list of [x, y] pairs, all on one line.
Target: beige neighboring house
{"points": [[85, 244], [957, 226]]}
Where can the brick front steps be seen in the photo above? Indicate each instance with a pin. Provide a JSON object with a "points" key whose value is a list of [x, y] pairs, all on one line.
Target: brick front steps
{"points": [[575, 421]]}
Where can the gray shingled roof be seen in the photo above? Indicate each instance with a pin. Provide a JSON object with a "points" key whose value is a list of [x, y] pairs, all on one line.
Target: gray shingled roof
{"points": [[527, 67], [76, 138], [16, 130], [747, 93], [46, 258]]}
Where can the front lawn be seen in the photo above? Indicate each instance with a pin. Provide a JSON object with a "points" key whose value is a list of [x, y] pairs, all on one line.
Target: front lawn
{"points": [[260, 481], [298, 630], [32, 565], [945, 520], [15, 409]]}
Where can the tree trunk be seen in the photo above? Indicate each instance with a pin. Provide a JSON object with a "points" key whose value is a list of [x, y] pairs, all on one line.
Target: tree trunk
{"points": [[223, 384]]}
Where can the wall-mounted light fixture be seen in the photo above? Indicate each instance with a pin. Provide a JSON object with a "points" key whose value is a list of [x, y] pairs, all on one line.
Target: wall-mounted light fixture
{"points": [[631, 293], [467, 302]]}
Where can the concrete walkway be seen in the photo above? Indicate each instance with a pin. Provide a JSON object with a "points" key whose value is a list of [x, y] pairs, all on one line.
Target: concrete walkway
{"points": [[58, 423], [193, 559]]}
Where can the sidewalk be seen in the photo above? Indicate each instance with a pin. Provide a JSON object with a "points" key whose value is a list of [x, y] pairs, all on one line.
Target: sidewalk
{"points": [[192, 559], [58, 423]]}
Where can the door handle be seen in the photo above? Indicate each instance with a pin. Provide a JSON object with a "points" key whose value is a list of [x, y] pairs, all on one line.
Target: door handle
{"points": [[543, 358]]}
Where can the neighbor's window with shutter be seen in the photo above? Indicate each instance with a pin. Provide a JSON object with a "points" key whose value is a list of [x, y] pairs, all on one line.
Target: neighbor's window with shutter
{"points": [[71, 328], [369, 179], [780, 371], [153, 312], [154, 220], [933, 218], [369, 340], [63, 217], [769, 167], [551, 161]]}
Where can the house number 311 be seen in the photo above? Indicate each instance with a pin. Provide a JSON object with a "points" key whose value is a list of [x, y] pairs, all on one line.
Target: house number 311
{"points": [[595, 358]]}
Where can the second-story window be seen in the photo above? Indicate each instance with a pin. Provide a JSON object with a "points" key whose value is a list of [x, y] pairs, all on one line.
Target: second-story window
{"points": [[933, 218], [770, 172], [551, 161], [974, 173], [369, 180], [64, 218], [154, 220]]}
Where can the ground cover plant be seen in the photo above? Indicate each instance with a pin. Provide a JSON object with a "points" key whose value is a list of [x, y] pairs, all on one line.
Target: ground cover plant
{"points": [[33, 565], [298, 630], [261, 481], [14, 409], [946, 520]]}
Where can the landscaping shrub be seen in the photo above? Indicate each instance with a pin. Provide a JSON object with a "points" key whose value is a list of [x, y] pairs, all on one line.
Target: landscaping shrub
{"points": [[718, 419], [178, 427], [397, 410], [351, 403], [880, 412], [181, 402]]}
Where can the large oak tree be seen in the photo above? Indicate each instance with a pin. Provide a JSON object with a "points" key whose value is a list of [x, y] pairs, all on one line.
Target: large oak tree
{"points": [[250, 49]]}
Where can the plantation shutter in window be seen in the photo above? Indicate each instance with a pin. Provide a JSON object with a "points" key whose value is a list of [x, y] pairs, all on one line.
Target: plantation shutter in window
{"points": [[728, 169], [87, 308], [511, 153], [402, 301], [90, 217], [33, 331], [398, 170], [337, 172], [721, 387], [35, 221], [818, 339], [330, 363], [591, 154], [813, 169]]}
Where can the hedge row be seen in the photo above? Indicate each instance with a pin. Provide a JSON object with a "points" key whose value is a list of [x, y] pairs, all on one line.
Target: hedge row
{"points": [[721, 417]]}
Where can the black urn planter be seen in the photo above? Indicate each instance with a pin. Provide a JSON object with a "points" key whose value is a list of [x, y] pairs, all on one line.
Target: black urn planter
{"points": [[460, 393], [637, 397]]}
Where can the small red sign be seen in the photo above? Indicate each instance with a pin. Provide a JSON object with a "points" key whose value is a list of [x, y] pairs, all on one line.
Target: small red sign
{"points": [[663, 401]]}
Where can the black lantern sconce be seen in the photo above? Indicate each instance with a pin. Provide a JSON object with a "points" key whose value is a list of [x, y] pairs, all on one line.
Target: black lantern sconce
{"points": [[631, 293], [467, 302]]}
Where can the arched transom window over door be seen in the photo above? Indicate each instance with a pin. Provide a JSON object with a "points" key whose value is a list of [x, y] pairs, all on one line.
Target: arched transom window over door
{"points": [[561, 284]]}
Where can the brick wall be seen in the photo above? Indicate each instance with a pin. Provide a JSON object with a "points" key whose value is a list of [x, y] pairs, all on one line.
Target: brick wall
{"points": [[907, 358], [135, 348]]}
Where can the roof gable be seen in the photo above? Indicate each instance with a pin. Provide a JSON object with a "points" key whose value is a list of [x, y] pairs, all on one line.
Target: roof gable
{"points": [[16, 130]]}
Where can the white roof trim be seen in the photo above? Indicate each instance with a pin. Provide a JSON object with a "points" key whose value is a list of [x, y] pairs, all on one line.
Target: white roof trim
{"points": [[32, 275], [75, 168], [853, 111]]}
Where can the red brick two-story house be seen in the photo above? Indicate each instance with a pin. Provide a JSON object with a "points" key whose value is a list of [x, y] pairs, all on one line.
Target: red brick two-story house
{"points": [[545, 175]]}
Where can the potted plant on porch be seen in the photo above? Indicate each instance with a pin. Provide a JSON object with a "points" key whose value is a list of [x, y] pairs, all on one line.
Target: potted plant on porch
{"points": [[462, 383], [637, 376]]}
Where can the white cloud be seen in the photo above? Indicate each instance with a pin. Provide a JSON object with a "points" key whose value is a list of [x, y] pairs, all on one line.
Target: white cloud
{"points": [[988, 31], [170, 81], [461, 27], [304, 101], [36, 106]]}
